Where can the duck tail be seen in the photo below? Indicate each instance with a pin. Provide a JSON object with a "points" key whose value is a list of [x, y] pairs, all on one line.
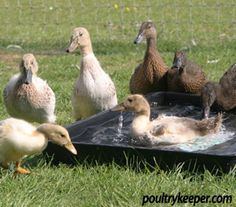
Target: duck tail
{"points": [[212, 125], [218, 121]]}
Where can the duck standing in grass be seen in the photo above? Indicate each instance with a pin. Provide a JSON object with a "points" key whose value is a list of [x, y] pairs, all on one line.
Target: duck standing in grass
{"points": [[27, 96], [185, 76], [164, 129], [19, 138], [94, 90], [223, 93], [150, 75]]}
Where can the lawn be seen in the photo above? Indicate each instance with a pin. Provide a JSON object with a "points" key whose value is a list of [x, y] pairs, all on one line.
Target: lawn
{"points": [[44, 27]]}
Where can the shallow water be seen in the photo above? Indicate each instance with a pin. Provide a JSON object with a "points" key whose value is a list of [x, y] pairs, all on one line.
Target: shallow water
{"points": [[202, 143], [116, 131]]}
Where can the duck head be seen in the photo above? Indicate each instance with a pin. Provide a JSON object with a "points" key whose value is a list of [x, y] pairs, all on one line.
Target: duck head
{"points": [[147, 30], [179, 61], [135, 103], [28, 67], [80, 38], [208, 97], [58, 135]]}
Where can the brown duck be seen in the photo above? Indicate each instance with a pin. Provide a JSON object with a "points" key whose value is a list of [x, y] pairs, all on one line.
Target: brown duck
{"points": [[150, 75], [223, 93], [185, 76]]}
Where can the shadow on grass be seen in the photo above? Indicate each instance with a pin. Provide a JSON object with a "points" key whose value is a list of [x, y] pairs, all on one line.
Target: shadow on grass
{"points": [[138, 162]]}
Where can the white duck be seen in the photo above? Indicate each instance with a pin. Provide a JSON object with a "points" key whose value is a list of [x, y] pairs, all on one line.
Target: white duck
{"points": [[164, 129], [94, 91], [19, 138], [27, 96]]}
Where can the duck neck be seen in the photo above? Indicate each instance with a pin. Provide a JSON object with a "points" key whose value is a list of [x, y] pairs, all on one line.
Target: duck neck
{"points": [[140, 123], [151, 45], [36, 144], [44, 129], [86, 50], [145, 112], [152, 52]]}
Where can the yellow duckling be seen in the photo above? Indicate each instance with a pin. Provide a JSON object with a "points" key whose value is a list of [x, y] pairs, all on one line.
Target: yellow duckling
{"points": [[19, 138], [164, 129]]}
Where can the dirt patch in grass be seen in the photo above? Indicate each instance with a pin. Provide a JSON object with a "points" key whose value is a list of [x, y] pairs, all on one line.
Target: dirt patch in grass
{"points": [[11, 59]]}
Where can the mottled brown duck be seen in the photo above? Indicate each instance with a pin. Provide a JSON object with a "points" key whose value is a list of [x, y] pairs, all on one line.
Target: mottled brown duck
{"points": [[150, 75], [185, 76], [223, 93], [27, 96]]}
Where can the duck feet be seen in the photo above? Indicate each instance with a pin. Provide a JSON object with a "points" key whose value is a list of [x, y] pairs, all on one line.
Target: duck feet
{"points": [[20, 170]]}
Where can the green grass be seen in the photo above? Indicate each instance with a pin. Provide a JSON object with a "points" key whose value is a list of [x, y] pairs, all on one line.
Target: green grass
{"points": [[112, 185], [100, 185]]}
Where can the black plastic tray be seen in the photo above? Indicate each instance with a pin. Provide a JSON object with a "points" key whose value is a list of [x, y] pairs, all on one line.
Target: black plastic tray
{"points": [[218, 157]]}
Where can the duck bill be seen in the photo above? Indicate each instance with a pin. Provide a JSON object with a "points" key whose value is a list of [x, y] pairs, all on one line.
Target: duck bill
{"points": [[139, 38], [177, 63], [119, 107], [72, 47], [70, 147], [28, 77]]}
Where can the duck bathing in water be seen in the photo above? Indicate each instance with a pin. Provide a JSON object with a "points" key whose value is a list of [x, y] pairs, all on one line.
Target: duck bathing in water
{"points": [[164, 129]]}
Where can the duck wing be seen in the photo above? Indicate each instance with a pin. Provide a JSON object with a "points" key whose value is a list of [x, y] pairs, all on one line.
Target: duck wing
{"points": [[173, 80], [228, 81], [227, 96], [193, 78], [209, 126], [137, 83], [8, 92]]}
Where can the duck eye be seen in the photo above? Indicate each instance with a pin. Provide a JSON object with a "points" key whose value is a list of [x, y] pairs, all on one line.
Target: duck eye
{"points": [[62, 135], [130, 100], [80, 34]]}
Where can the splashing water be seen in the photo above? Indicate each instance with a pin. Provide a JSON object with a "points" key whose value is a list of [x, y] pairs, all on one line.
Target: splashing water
{"points": [[120, 125], [202, 143]]}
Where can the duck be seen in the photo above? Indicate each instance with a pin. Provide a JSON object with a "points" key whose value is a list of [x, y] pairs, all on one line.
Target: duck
{"points": [[164, 129], [185, 76], [27, 96], [19, 138], [150, 75], [222, 93], [94, 91]]}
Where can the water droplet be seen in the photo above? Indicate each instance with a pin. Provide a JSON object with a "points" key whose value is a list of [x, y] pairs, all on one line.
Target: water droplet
{"points": [[154, 104], [120, 125]]}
